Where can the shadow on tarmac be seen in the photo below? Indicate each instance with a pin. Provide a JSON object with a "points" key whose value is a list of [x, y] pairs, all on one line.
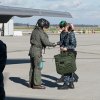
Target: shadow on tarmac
{"points": [[46, 82], [19, 80], [49, 83], [24, 61], [19, 98], [17, 61], [50, 77]]}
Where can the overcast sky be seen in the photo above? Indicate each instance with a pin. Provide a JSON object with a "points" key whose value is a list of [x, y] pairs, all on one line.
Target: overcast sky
{"points": [[83, 11]]}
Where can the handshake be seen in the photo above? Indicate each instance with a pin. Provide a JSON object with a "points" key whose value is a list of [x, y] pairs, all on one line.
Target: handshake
{"points": [[55, 44]]}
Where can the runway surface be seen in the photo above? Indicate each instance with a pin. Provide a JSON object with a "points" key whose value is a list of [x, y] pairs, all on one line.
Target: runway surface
{"points": [[18, 64]]}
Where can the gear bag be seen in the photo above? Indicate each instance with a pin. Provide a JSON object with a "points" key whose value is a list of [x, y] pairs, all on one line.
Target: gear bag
{"points": [[65, 62], [41, 65]]}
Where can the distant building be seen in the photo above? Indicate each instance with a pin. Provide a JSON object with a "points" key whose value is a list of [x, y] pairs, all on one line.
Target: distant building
{"points": [[7, 28]]}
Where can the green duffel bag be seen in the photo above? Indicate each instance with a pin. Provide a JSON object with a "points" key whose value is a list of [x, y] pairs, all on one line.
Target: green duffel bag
{"points": [[65, 63]]}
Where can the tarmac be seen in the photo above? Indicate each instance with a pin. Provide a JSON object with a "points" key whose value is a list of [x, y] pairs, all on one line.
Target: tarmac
{"points": [[16, 73]]}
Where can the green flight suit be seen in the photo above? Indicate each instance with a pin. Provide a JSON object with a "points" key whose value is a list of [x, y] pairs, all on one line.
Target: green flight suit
{"points": [[38, 40]]}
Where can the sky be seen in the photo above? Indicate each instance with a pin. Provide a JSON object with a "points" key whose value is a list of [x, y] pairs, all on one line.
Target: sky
{"points": [[83, 11]]}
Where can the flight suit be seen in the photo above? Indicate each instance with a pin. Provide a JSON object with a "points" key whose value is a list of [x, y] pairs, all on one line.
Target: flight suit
{"points": [[38, 40]]}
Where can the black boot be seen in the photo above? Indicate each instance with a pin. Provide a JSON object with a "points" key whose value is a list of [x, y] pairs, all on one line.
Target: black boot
{"points": [[60, 80], [38, 87], [30, 85], [71, 85], [63, 87], [75, 77]]}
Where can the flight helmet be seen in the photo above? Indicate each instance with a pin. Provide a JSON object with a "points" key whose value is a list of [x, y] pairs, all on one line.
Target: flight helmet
{"points": [[43, 23]]}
